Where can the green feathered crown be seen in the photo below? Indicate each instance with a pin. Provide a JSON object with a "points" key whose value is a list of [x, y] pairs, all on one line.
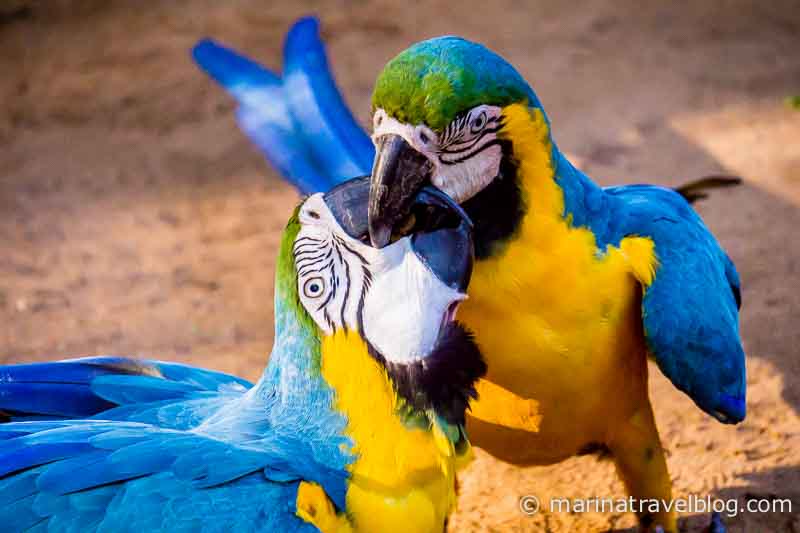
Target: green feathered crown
{"points": [[435, 80]]}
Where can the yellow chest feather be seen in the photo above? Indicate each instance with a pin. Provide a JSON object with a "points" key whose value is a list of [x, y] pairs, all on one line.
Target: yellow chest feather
{"points": [[403, 478], [553, 317]]}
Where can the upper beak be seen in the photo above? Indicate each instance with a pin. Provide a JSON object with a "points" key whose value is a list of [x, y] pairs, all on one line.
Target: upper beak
{"points": [[399, 172], [348, 203]]}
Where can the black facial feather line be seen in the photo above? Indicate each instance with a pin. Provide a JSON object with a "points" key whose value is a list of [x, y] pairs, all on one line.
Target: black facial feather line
{"points": [[460, 142]]}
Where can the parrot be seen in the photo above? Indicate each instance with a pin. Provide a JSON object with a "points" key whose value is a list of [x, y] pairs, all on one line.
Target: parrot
{"points": [[575, 286], [356, 425]]}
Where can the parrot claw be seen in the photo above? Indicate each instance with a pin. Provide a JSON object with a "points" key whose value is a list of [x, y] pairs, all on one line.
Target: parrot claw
{"points": [[716, 525]]}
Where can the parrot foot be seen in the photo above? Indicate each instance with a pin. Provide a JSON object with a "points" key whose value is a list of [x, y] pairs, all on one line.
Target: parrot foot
{"points": [[716, 525]]}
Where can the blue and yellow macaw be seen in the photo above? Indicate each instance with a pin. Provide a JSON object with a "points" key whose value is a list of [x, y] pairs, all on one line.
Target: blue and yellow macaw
{"points": [[355, 425], [575, 285]]}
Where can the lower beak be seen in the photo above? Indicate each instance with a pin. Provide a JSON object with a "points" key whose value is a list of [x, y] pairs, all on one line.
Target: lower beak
{"points": [[399, 172], [447, 248]]}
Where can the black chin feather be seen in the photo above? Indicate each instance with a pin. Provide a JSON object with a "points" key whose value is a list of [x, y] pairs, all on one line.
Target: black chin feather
{"points": [[492, 227], [445, 379]]}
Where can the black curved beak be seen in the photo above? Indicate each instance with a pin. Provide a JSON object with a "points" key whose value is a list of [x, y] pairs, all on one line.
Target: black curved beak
{"points": [[398, 173]]}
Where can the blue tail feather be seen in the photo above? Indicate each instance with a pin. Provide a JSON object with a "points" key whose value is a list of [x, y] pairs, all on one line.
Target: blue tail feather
{"points": [[334, 137], [263, 112], [300, 122], [232, 70]]}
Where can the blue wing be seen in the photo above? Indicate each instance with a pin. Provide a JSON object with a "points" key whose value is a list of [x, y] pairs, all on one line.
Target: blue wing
{"points": [[168, 447], [690, 311], [81, 388], [300, 120], [87, 475]]}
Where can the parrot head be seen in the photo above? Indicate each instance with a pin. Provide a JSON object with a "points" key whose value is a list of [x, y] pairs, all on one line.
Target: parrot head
{"points": [[398, 301], [440, 117]]}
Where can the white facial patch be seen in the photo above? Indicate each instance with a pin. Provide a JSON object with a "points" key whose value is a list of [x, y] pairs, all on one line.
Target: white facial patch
{"points": [[466, 155], [406, 305], [389, 295]]}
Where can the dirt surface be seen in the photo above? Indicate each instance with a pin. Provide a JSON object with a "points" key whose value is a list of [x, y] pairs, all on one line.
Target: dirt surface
{"points": [[135, 218]]}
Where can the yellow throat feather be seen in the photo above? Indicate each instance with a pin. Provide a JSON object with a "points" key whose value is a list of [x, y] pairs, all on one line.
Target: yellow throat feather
{"points": [[403, 478]]}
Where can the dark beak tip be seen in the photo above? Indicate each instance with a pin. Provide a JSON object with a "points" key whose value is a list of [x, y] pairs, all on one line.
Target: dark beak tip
{"points": [[379, 235], [398, 173]]}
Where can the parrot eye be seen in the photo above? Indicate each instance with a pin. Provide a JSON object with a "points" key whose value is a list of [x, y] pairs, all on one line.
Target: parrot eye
{"points": [[478, 122], [314, 287], [424, 135]]}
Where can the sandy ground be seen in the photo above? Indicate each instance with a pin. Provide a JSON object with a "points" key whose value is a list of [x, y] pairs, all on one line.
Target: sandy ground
{"points": [[135, 218]]}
